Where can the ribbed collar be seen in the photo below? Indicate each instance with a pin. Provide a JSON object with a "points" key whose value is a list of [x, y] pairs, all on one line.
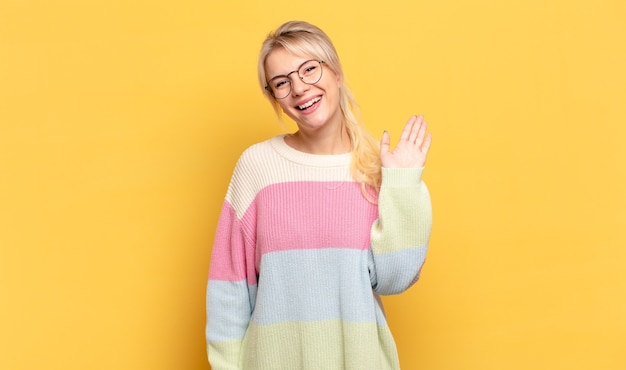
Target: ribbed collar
{"points": [[307, 159]]}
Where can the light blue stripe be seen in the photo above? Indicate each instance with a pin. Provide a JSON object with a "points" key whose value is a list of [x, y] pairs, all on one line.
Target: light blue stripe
{"points": [[229, 308], [397, 271], [316, 284]]}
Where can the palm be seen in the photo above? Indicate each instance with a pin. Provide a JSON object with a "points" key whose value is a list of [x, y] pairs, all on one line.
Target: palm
{"points": [[411, 150]]}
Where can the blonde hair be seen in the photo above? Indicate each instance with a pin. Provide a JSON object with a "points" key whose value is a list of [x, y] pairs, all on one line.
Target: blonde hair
{"points": [[303, 38]]}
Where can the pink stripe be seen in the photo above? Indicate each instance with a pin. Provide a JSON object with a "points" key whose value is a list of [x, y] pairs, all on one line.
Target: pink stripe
{"points": [[232, 256], [306, 215], [290, 216]]}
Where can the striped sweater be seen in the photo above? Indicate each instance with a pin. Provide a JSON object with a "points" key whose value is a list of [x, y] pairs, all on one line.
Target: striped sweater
{"points": [[301, 258]]}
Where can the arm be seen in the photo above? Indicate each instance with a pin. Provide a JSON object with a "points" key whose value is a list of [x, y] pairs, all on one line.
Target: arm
{"points": [[399, 238], [231, 290]]}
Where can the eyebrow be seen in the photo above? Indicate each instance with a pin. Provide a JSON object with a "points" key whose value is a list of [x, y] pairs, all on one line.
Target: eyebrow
{"points": [[283, 75], [296, 70]]}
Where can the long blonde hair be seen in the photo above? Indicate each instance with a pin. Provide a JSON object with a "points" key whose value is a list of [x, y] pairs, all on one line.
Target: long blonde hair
{"points": [[303, 38]]}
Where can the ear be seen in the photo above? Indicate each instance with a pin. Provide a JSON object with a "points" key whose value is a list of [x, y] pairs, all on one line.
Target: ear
{"points": [[339, 81]]}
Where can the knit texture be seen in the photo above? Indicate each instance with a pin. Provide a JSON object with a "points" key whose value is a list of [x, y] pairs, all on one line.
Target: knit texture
{"points": [[301, 258]]}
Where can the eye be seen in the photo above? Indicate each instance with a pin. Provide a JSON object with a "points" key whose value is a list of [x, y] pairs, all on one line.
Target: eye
{"points": [[280, 83], [309, 69]]}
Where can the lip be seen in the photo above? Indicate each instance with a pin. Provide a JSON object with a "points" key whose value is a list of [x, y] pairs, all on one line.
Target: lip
{"points": [[311, 109]]}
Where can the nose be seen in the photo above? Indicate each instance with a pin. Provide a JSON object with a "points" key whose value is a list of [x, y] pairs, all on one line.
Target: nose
{"points": [[298, 87]]}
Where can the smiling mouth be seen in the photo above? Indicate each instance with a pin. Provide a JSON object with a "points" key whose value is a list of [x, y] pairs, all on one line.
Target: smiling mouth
{"points": [[308, 104]]}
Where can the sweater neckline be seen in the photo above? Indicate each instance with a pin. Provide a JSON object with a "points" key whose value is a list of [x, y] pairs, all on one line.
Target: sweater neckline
{"points": [[316, 160]]}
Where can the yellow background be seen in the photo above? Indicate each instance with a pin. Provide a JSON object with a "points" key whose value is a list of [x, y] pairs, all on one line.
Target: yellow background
{"points": [[121, 122]]}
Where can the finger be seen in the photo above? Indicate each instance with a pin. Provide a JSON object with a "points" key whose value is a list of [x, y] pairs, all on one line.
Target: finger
{"points": [[408, 127], [384, 143], [421, 132], [426, 144], [416, 128]]}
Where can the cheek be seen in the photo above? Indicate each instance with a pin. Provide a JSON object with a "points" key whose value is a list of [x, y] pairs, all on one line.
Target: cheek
{"points": [[284, 108], [286, 111]]}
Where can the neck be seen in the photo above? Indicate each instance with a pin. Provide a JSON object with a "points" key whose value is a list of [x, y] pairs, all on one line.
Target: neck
{"points": [[320, 142]]}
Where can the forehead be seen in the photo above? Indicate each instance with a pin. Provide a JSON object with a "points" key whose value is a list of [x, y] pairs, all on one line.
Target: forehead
{"points": [[281, 62]]}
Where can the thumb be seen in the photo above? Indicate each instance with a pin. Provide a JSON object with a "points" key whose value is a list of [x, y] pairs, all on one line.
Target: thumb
{"points": [[384, 143]]}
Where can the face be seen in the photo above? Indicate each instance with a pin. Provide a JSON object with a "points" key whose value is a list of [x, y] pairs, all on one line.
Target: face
{"points": [[312, 107]]}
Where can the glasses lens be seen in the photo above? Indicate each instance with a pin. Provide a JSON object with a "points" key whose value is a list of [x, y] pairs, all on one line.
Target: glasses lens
{"points": [[280, 86], [311, 72]]}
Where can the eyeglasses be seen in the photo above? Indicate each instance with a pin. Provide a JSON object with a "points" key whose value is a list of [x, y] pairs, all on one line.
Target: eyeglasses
{"points": [[310, 72]]}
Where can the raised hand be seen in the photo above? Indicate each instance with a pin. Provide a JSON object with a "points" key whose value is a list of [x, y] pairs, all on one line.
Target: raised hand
{"points": [[411, 150]]}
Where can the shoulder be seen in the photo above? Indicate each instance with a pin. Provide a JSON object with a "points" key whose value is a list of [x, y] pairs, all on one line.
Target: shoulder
{"points": [[256, 164], [252, 173], [259, 149], [257, 156]]}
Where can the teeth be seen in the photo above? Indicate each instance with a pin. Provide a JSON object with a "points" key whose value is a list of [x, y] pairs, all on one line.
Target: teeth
{"points": [[309, 103]]}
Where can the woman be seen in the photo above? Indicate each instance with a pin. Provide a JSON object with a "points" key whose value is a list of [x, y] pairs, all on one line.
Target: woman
{"points": [[316, 225]]}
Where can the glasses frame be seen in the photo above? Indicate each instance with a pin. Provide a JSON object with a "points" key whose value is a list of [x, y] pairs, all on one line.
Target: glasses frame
{"points": [[269, 89]]}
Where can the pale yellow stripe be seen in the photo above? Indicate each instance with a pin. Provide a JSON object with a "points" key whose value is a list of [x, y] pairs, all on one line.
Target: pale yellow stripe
{"points": [[332, 345], [405, 214], [224, 355]]}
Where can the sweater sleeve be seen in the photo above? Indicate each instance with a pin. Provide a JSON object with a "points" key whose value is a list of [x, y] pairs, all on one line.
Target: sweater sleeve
{"points": [[399, 237], [231, 289]]}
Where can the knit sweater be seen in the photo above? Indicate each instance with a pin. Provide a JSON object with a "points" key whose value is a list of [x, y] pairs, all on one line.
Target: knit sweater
{"points": [[301, 258]]}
